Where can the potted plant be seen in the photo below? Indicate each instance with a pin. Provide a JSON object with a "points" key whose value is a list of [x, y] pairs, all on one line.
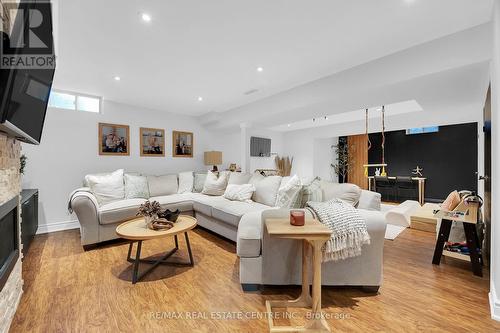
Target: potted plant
{"points": [[343, 164]]}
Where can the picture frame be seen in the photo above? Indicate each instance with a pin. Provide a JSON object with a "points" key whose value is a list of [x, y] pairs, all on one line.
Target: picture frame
{"points": [[152, 142], [182, 144], [114, 139]]}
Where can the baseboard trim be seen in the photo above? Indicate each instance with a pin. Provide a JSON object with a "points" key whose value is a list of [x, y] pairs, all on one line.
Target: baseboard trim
{"points": [[494, 304], [57, 226]]}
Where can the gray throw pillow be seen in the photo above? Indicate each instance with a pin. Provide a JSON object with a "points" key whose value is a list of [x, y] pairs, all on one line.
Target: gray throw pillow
{"points": [[162, 185], [199, 181], [136, 186]]}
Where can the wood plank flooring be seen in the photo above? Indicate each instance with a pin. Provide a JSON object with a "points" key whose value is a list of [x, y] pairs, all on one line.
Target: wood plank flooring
{"points": [[69, 290]]}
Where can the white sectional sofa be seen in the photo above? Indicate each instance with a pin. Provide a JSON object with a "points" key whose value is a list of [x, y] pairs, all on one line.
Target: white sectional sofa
{"points": [[262, 261]]}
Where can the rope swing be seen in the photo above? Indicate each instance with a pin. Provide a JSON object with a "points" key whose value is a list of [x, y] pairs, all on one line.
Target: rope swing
{"points": [[383, 173]]}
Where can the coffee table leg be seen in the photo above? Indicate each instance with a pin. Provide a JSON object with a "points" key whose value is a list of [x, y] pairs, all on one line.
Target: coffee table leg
{"points": [[191, 261], [136, 262], [176, 242]]}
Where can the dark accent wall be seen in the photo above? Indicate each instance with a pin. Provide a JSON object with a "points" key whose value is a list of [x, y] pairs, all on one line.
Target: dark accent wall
{"points": [[449, 157]]}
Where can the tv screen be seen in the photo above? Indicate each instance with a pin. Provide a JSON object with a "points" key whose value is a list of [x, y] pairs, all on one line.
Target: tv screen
{"points": [[28, 64]]}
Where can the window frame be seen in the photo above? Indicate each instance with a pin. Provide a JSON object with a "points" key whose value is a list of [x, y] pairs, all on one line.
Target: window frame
{"points": [[76, 95]]}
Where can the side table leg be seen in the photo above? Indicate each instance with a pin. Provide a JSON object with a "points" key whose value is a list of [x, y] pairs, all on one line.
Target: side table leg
{"points": [[317, 322], [136, 262]]}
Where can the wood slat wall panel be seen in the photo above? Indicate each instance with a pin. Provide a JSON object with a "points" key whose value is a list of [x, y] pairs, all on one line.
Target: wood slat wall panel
{"points": [[358, 149]]}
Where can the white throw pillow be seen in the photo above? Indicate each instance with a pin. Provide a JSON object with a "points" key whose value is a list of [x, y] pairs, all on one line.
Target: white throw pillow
{"points": [[215, 184], [239, 192], [162, 185], [107, 188], [186, 182], [289, 192], [199, 181], [136, 186], [266, 189]]}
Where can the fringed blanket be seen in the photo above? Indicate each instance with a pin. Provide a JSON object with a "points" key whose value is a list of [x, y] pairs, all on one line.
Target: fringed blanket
{"points": [[348, 226]]}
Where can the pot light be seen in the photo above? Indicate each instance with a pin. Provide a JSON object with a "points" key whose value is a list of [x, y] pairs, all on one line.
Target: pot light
{"points": [[200, 99], [288, 125], [260, 69], [117, 78], [146, 17], [326, 118]]}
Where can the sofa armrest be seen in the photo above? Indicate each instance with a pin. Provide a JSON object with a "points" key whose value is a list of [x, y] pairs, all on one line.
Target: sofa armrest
{"points": [[84, 204]]}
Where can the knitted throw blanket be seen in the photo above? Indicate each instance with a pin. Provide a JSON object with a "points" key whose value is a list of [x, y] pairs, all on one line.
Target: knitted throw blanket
{"points": [[348, 226]]}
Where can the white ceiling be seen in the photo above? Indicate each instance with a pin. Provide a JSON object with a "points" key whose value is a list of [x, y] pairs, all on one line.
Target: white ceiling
{"points": [[212, 48]]}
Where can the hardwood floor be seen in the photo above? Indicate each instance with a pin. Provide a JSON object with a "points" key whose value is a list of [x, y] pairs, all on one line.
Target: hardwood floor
{"points": [[69, 290]]}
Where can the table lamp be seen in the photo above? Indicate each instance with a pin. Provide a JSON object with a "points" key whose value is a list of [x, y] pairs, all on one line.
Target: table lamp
{"points": [[213, 158]]}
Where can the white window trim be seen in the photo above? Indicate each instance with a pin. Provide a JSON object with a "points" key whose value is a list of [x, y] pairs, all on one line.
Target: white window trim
{"points": [[77, 94]]}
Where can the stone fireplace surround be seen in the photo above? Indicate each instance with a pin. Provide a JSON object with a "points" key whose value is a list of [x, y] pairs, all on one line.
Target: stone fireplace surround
{"points": [[10, 187]]}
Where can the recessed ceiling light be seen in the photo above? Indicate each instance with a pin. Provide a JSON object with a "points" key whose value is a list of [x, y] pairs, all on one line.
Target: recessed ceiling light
{"points": [[146, 17], [260, 69], [200, 99], [117, 78], [326, 118], [288, 125], [379, 109]]}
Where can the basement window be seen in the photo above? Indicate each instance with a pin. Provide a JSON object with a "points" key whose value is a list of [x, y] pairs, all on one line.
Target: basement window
{"points": [[74, 101], [421, 130]]}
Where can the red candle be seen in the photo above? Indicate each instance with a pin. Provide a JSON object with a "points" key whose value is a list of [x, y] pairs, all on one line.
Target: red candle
{"points": [[297, 217]]}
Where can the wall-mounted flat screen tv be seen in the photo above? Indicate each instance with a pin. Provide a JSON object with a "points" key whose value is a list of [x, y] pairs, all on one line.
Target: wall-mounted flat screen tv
{"points": [[27, 70]]}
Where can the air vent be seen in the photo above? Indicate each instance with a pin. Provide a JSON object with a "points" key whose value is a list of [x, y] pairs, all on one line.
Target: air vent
{"points": [[251, 91]]}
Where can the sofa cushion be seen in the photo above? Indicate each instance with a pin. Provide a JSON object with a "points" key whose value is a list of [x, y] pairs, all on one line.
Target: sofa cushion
{"points": [[183, 202], [186, 182], [216, 183], [232, 211], [266, 189], [203, 203], [136, 186], [199, 181], [119, 211], [239, 178], [241, 192], [108, 187], [162, 185], [348, 192], [369, 200]]}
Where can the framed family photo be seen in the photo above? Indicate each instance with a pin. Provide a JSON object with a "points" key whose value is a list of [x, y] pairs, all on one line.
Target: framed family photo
{"points": [[152, 141], [182, 144], [114, 139]]}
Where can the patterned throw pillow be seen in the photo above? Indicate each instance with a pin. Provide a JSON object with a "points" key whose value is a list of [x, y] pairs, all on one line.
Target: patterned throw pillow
{"points": [[199, 181], [186, 182], [289, 193], [108, 187], [311, 192], [136, 186]]}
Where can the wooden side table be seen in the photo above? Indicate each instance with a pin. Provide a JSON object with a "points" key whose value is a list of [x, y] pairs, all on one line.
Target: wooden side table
{"points": [[469, 219], [313, 235]]}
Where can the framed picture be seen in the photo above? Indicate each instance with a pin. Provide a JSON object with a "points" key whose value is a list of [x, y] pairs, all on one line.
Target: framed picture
{"points": [[114, 139], [152, 141], [182, 144]]}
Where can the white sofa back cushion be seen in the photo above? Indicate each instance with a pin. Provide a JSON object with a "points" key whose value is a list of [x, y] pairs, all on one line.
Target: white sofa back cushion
{"points": [[108, 187], [186, 182], [136, 186], [266, 189], [348, 192], [239, 178], [162, 185], [241, 192], [369, 200], [289, 193], [215, 184]]}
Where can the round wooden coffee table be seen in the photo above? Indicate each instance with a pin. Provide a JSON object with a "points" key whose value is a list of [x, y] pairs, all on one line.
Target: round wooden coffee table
{"points": [[136, 230]]}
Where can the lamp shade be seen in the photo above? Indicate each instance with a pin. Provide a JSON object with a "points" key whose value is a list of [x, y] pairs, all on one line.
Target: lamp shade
{"points": [[213, 157]]}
